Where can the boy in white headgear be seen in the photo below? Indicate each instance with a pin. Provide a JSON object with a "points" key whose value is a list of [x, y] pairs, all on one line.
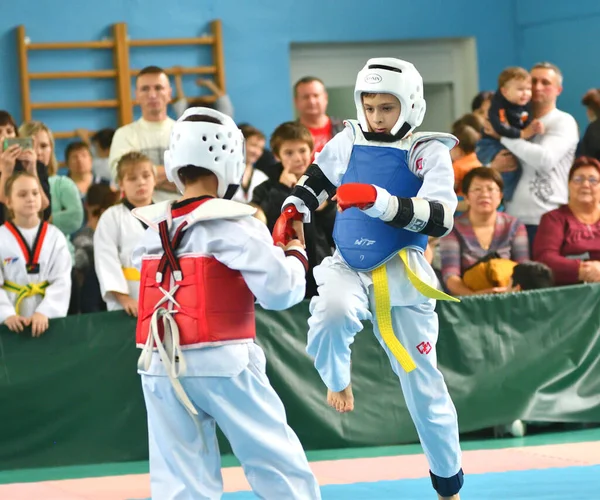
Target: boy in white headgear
{"points": [[203, 259], [394, 189]]}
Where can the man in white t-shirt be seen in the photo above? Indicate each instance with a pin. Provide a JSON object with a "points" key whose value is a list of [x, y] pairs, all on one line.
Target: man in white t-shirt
{"points": [[151, 133], [546, 158]]}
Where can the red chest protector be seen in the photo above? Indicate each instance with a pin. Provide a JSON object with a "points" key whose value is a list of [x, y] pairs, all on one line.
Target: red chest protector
{"points": [[210, 303]]}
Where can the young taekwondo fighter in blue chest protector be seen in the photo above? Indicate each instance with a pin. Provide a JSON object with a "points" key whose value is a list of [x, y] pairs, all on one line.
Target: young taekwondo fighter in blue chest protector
{"points": [[204, 260], [394, 189]]}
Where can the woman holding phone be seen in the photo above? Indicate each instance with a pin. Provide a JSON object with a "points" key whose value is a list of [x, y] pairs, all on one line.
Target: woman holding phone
{"points": [[14, 158]]}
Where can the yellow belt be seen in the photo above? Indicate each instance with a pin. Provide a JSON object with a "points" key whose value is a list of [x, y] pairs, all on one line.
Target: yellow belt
{"points": [[131, 274], [383, 309], [24, 291]]}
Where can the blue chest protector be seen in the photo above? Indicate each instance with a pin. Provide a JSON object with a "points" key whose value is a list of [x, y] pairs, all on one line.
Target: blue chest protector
{"points": [[365, 242]]}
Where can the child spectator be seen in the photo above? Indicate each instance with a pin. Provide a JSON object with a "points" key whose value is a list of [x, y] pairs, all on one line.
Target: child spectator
{"points": [[35, 264], [118, 232], [292, 145], [510, 116]]}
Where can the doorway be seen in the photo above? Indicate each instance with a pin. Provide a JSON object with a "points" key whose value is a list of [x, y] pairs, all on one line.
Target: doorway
{"points": [[448, 67]]}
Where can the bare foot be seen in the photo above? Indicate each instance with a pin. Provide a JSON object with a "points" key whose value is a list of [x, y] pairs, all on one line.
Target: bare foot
{"points": [[342, 401]]}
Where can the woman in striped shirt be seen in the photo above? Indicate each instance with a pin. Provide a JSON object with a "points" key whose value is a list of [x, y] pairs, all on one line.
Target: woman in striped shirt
{"points": [[480, 231]]}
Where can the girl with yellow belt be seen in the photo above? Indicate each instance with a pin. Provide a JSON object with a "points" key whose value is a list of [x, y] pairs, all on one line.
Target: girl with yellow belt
{"points": [[118, 232], [35, 263]]}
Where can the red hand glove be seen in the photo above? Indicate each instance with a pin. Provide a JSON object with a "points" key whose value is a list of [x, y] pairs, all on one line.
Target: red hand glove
{"points": [[283, 232], [356, 195]]}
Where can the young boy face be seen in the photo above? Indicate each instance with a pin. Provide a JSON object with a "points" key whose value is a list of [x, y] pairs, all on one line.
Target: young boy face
{"points": [[295, 157], [517, 91], [382, 112]]}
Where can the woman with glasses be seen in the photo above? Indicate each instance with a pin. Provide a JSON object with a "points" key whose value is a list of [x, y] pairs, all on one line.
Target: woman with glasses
{"points": [[568, 238], [481, 231]]}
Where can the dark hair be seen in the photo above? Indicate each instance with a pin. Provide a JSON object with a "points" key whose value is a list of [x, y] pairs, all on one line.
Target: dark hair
{"points": [[306, 79], [487, 173], [191, 173], [583, 161], [467, 137], [7, 119], [480, 98], [591, 99], [250, 131], [151, 70], [290, 131], [470, 119], [532, 275], [104, 137], [100, 196], [75, 146]]}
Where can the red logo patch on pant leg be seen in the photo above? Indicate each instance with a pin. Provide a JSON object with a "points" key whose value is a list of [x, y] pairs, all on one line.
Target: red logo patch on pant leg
{"points": [[424, 347]]}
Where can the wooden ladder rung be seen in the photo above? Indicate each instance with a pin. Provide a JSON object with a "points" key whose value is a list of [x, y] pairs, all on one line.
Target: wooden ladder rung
{"points": [[169, 42], [109, 103], [53, 75], [64, 135], [204, 99], [100, 44], [196, 70]]}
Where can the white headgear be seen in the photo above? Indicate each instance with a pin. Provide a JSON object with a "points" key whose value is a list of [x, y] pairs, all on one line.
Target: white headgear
{"points": [[387, 75], [218, 148]]}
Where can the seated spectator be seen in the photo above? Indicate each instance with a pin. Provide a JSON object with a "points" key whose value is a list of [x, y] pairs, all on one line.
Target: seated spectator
{"points": [[118, 232], [99, 144], [78, 157], [590, 143], [292, 144], [15, 159], [531, 276], [481, 104], [472, 120], [311, 100], [568, 240], [35, 288], [66, 207], [255, 146], [86, 287], [482, 233], [150, 134], [463, 157]]}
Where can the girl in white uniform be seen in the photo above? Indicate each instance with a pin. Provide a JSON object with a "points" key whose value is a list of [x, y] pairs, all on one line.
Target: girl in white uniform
{"points": [[118, 232], [255, 147], [35, 263]]}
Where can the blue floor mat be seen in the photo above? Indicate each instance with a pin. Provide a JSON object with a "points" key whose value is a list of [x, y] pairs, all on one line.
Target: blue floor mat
{"points": [[570, 483]]}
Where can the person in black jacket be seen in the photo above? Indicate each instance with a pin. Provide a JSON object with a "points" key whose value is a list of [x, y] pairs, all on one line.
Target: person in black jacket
{"points": [[292, 145], [590, 143], [15, 159]]}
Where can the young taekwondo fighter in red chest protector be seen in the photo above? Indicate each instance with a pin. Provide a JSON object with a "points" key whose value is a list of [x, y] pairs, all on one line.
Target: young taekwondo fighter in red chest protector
{"points": [[203, 260], [394, 189]]}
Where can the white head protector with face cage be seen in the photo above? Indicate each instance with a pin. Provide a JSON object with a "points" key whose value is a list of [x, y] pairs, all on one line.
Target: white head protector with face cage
{"points": [[386, 75], [215, 147]]}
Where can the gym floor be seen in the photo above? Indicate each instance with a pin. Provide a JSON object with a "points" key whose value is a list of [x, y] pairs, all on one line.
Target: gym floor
{"points": [[549, 466]]}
